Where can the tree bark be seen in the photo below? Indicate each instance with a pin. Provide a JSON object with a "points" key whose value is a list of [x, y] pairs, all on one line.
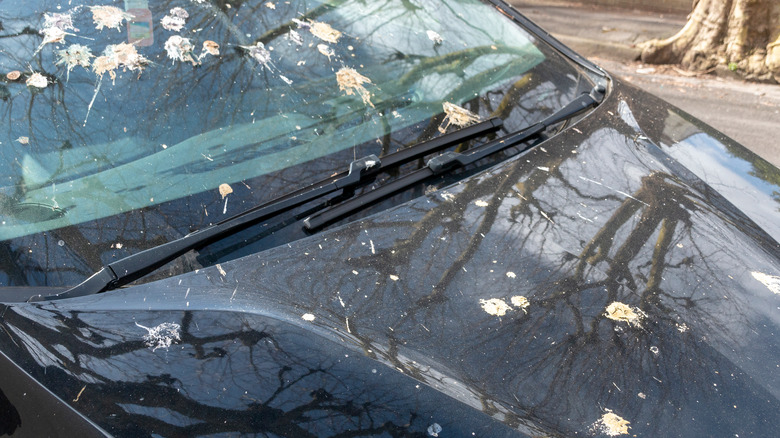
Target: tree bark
{"points": [[742, 35]]}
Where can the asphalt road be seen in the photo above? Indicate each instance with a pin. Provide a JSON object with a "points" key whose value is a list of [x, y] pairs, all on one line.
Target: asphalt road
{"points": [[746, 112]]}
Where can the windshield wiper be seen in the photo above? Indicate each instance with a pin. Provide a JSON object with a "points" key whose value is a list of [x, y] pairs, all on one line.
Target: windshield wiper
{"points": [[451, 160], [361, 172]]}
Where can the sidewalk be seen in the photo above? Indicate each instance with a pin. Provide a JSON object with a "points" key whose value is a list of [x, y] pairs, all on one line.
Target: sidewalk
{"points": [[597, 30], [746, 112]]}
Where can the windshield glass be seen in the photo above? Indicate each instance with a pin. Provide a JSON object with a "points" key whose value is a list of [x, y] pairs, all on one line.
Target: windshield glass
{"points": [[129, 124]]}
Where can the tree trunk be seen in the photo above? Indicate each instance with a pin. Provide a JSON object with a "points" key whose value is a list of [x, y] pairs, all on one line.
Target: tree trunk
{"points": [[743, 35]]}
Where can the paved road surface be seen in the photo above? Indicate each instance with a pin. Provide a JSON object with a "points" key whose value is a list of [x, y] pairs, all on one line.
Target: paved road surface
{"points": [[747, 112]]}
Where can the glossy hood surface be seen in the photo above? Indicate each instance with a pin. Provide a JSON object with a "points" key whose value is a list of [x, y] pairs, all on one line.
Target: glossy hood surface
{"points": [[608, 282]]}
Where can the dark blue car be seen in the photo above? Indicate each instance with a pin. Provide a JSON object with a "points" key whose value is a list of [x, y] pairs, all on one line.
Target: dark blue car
{"points": [[353, 218]]}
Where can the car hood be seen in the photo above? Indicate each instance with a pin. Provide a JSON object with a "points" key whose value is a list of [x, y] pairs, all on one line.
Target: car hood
{"points": [[622, 277]]}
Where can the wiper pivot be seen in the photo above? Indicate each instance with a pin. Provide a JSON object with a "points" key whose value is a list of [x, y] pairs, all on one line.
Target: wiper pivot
{"points": [[358, 170]]}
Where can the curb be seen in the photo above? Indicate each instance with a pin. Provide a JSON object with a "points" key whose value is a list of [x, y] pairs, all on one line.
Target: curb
{"points": [[590, 48]]}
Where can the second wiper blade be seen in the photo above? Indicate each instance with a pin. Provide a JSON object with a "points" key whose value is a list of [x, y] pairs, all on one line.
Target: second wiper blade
{"points": [[361, 172], [450, 160]]}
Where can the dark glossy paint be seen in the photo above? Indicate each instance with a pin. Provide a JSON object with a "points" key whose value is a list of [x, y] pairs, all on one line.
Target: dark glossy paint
{"points": [[27, 408], [615, 208]]}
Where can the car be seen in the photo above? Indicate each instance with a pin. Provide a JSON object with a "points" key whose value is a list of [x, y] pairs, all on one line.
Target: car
{"points": [[367, 218]]}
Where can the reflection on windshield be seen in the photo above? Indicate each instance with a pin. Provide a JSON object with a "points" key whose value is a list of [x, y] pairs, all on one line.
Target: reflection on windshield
{"points": [[121, 139], [300, 85]]}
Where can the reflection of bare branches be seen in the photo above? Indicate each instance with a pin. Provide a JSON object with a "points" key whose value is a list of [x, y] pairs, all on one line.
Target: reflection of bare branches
{"points": [[26, 31], [565, 342], [516, 90], [662, 247], [504, 186], [311, 14], [654, 188], [294, 391]]}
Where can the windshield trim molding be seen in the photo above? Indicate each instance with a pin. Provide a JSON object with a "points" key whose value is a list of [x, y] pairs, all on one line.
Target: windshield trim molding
{"points": [[509, 11]]}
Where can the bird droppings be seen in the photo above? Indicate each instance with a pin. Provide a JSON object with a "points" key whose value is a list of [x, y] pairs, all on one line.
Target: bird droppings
{"points": [[270, 5], [495, 306], [324, 31], [175, 19], [457, 116], [326, 50], [511, 274], [209, 48], [434, 429], [480, 203], [225, 189], [221, 270], [642, 395], [351, 82], [295, 37], [37, 80], [611, 424], [179, 12], [54, 27], [75, 55], [394, 277], [119, 55], [259, 53], [109, 16], [447, 196], [78, 396], [58, 20], [307, 317], [51, 35], [180, 49], [23, 140], [521, 302], [682, 328], [301, 24], [162, 336], [618, 311], [173, 24], [772, 282], [13, 75], [435, 37]]}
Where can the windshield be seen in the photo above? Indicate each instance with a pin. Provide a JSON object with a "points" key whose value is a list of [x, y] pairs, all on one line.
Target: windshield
{"points": [[129, 124]]}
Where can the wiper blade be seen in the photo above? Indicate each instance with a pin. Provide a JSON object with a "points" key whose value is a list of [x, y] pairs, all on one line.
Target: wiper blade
{"points": [[450, 160], [361, 172]]}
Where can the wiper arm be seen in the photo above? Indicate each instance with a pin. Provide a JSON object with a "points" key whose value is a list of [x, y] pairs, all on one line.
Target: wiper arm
{"points": [[361, 172], [450, 160]]}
